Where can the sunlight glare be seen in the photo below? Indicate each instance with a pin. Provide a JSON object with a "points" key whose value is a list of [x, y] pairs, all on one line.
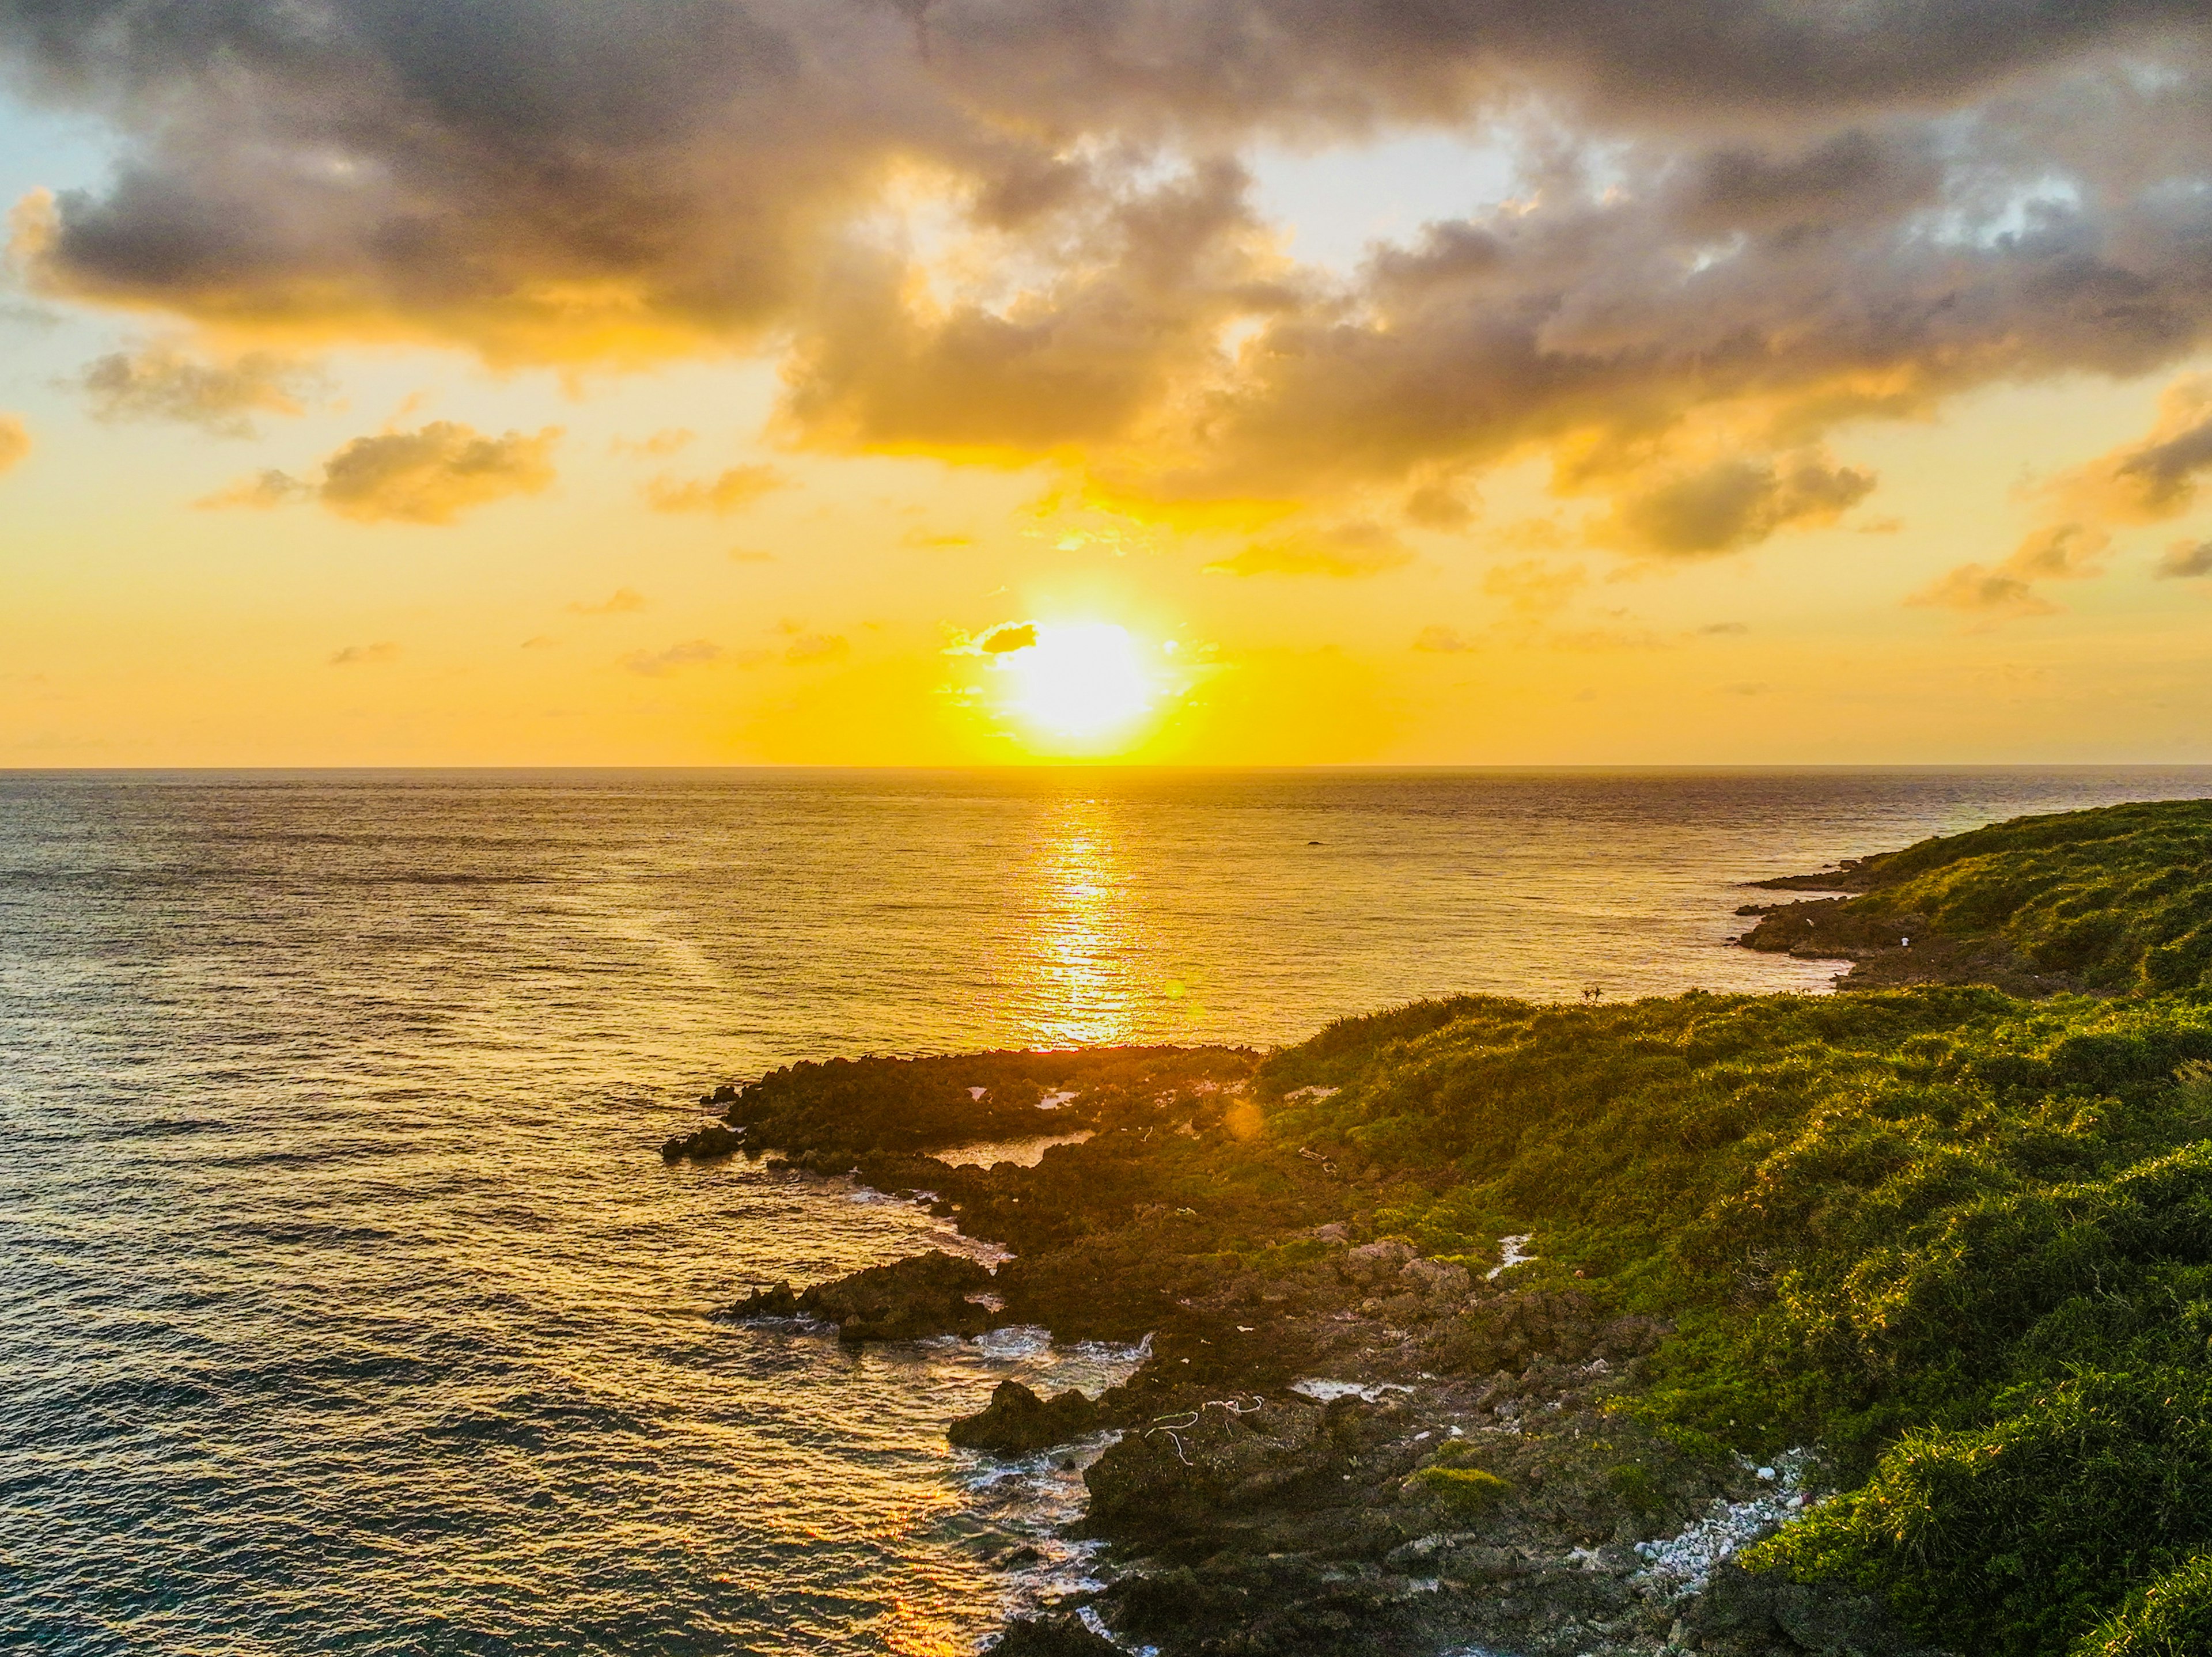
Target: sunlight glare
{"points": [[1082, 681]]}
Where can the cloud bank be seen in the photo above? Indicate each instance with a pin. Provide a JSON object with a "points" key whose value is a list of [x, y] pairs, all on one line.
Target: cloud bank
{"points": [[1738, 225]]}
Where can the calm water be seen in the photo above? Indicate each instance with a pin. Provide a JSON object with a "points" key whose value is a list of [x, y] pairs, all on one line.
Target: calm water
{"points": [[345, 1304]]}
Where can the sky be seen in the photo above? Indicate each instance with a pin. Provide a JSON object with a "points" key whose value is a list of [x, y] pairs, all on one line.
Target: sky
{"points": [[918, 382]]}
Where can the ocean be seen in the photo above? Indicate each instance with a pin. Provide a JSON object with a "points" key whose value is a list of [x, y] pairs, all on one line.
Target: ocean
{"points": [[346, 1305]]}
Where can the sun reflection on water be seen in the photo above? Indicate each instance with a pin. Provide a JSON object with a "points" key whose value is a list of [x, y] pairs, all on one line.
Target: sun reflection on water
{"points": [[1090, 945]]}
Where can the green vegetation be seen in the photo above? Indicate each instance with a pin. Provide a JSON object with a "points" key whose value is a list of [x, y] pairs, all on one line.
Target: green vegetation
{"points": [[1962, 1241], [2118, 899], [1464, 1491]]}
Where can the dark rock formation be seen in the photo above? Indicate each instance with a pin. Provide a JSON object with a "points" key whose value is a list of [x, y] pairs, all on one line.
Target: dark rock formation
{"points": [[1051, 1637], [1017, 1422], [907, 1299], [710, 1142]]}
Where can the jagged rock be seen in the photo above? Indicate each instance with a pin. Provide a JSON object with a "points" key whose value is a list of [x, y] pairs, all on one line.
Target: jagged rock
{"points": [[776, 1302], [1050, 1637], [922, 1295], [712, 1140], [1172, 1470], [724, 1095], [1373, 1263], [1438, 1279], [1017, 1422]]}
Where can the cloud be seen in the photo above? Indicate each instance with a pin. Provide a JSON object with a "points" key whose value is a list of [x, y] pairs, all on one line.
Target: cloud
{"points": [[810, 648], [265, 489], [2186, 561], [622, 602], [1015, 635], [1737, 225], [1533, 588], [664, 442], [2054, 552], [1345, 551], [1720, 629], [1443, 640], [658, 663], [737, 488], [930, 540], [750, 556], [366, 655], [15, 442], [434, 475], [157, 382], [539, 641], [1734, 503]]}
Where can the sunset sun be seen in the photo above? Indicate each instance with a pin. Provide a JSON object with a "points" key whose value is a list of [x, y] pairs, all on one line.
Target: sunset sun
{"points": [[1083, 682]]}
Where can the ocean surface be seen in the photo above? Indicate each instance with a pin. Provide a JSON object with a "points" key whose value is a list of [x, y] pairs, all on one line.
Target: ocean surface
{"points": [[345, 1304]]}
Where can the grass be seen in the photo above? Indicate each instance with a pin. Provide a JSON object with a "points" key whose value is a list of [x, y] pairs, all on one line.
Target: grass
{"points": [[2119, 899], [1961, 1241]]}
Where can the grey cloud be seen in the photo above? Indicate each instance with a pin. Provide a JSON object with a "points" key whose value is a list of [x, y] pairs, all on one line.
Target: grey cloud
{"points": [[2186, 561], [1812, 214], [434, 475], [159, 382], [1735, 503]]}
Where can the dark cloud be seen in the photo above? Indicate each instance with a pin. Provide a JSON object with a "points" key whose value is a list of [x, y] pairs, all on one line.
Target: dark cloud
{"points": [[159, 382], [434, 475], [1744, 222], [1735, 503], [2186, 561]]}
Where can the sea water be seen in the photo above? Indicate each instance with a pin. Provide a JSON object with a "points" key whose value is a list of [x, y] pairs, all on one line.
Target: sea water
{"points": [[345, 1304]]}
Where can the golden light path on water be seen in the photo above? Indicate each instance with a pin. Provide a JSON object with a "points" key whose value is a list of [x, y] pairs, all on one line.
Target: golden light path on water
{"points": [[348, 1308]]}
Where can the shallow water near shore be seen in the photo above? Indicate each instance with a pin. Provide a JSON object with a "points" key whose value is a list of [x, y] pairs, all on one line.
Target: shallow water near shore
{"points": [[348, 1307]]}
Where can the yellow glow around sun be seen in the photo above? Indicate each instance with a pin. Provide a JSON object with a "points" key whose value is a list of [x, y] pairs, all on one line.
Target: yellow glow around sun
{"points": [[1083, 683]]}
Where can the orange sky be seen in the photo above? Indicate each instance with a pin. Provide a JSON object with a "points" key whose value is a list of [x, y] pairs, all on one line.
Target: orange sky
{"points": [[1217, 382]]}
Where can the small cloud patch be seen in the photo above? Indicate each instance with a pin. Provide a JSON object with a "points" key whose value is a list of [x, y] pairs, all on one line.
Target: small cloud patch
{"points": [[734, 490], [366, 655], [159, 383], [658, 663], [1443, 642], [2185, 562], [15, 442], [809, 648], [1013, 636], [434, 475], [622, 602]]}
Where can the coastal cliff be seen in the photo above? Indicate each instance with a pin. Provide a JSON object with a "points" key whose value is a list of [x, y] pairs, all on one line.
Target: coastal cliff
{"points": [[1872, 1323]]}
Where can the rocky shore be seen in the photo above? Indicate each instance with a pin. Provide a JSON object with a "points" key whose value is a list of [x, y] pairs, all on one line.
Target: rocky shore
{"points": [[1337, 1444]]}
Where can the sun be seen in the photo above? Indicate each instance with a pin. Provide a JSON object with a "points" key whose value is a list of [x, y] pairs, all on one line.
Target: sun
{"points": [[1081, 681]]}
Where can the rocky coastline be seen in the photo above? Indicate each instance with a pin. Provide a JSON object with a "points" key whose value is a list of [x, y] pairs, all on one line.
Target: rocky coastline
{"points": [[1337, 1444], [1866, 1326]]}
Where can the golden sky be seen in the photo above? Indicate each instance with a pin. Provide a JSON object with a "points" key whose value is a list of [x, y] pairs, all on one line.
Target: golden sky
{"points": [[1215, 381]]}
